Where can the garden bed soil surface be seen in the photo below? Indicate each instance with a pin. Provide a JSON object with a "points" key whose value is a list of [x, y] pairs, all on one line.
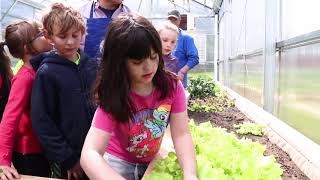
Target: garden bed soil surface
{"points": [[231, 116]]}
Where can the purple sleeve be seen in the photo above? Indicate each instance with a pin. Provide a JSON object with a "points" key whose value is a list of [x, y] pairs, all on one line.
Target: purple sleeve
{"points": [[179, 102], [103, 120]]}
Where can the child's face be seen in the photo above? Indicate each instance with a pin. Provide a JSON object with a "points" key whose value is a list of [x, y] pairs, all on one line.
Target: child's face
{"points": [[142, 71], [67, 43], [175, 21], [40, 44], [114, 1], [168, 40]]}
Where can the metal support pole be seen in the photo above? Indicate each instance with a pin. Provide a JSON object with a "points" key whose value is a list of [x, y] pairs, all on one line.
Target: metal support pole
{"points": [[228, 46], [151, 8], [1, 23], [216, 47], [269, 54], [139, 5], [9, 9]]}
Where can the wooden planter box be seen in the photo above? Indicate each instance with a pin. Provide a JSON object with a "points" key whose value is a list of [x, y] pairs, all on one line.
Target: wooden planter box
{"points": [[24, 177]]}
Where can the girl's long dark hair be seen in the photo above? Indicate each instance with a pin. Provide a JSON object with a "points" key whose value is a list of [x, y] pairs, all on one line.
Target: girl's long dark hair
{"points": [[128, 37], [5, 77], [5, 69]]}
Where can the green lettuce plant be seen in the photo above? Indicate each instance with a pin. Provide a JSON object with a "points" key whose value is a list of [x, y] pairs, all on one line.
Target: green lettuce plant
{"points": [[249, 128], [221, 156]]}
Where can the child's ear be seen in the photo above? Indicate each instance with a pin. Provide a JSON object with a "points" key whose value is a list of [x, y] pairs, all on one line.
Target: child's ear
{"points": [[47, 36], [26, 50]]}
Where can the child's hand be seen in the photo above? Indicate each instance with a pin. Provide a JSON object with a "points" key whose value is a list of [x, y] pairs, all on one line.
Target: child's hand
{"points": [[190, 177], [180, 76], [75, 173], [8, 173]]}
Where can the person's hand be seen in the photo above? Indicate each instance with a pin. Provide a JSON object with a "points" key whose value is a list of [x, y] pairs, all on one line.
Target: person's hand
{"points": [[8, 173], [180, 76], [189, 176], [75, 173]]}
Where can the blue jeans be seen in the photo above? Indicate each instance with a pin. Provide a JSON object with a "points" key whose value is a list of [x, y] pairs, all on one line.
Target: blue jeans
{"points": [[128, 170]]}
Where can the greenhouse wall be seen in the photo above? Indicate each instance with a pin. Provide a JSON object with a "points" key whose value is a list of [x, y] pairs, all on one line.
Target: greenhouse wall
{"points": [[13, 10], [200, 21], [288, 67]]}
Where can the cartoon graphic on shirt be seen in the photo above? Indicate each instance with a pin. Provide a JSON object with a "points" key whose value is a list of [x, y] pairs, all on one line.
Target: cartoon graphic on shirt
{"points": [[135, 140], [146, 130], [160, 121]]}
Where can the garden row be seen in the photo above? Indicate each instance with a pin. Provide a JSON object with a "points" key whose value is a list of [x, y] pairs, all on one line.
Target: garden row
{"points": [[228, 145]]}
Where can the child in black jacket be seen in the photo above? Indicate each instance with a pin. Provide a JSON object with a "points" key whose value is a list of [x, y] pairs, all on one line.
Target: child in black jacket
{"points": [[62, 109]]}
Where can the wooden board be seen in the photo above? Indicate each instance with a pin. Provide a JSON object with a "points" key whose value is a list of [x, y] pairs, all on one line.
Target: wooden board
{"points": [[25, 177]]}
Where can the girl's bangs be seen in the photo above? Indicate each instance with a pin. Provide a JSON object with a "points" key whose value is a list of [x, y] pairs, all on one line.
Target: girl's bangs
{"points": [[140, 44]]}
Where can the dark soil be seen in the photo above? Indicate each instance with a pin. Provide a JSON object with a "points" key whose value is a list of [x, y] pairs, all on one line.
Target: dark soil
{"points": [[231, 116]]}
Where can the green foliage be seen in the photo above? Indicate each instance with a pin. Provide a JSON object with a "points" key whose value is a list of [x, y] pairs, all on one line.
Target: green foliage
{"points": [[221, 156], [157, 175], [206, 95], [17, 66], [207, 75], [210, 104], [200, 106], [201, 87], [249, 128], [167, 168]]}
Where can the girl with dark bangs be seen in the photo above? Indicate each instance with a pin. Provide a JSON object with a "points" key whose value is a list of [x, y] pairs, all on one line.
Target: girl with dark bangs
{"points": [[137, 100]]}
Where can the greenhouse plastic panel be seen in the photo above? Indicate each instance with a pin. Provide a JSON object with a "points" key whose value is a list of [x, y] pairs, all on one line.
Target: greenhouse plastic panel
{"points": [[299, 85], [247, 78]]}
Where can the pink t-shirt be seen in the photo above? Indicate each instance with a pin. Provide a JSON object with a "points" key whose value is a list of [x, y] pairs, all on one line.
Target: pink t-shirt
{"points": [[139, 140]]}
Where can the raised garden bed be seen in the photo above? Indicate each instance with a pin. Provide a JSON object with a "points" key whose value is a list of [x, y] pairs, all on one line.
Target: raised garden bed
{"points": [[224, 114], [230, 116], [209, 104]]}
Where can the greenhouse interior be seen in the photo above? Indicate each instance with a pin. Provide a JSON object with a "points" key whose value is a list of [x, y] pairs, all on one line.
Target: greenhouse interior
{"points": [[252, 97]]}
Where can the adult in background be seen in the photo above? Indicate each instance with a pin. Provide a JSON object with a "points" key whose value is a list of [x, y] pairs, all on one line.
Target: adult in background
{"points": [[186, 51], [98, 14]]}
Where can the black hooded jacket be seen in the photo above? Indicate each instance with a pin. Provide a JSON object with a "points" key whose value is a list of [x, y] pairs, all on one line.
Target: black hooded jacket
{"points": [[61, 105]]}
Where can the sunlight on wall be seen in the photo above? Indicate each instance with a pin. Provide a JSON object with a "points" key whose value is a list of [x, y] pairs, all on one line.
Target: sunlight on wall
{"points": [[299, 17]]}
